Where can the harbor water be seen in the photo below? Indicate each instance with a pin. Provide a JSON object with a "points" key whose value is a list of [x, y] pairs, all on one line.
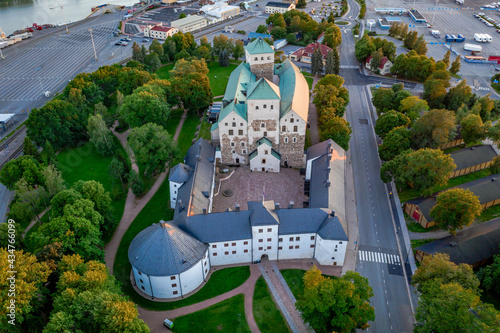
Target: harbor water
{"points": [[19, 14]]}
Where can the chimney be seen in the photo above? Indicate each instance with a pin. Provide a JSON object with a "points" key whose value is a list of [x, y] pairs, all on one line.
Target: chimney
{"points": [[163, 224], [276, 206], [332, 213], [328, 183], [292, 204], [328, 169], [236, 208], [204, 211], [181, 207]]}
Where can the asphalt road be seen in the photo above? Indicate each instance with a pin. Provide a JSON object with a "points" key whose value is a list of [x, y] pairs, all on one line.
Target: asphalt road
{"points": [[378, 256]]}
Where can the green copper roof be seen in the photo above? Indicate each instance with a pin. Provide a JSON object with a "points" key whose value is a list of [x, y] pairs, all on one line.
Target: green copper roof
{"points": [[240, 109], [259, 46], [238, 83], [287, 85], [264, 140], [268, 142], [263, 89]]}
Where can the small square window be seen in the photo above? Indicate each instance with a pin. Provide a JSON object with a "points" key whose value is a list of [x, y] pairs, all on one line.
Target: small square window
{"points": [[297, 239], [291, 120], [265, 133], [175, 292], [261, 230], [295, 128], [139, 273], [244, 151], [214, 246], [263, 161], [226, 244], [143, 288], [269, 229], [256, 58], [280, 239], [225, 124], [261, 240], [261, 58], [234, 124], [141, 280], [215, 254], [263, 125], [312, 237], [230, 132], [243, 144], [312, 246], [283, 128], [245, 243], [256, 107], [269, 247], [240, 132], [269, 239], [265, 106], [335, 250], [232, 144], [290, 247], [174, 285], [296, 246], [226, 253], [260, 248], [234, 252], [245, 251], [291, 239], [280, 248], [241, 124], [172, 278], [175, 185], [233, 244]]}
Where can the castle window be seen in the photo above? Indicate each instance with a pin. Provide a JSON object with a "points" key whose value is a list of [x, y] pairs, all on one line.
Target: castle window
{"points": [[290, 247], [244, 151], [261, 230], [241, 124], [340, 242], [256, 107], [269, 229], [214, 246], [245, 243], [234, 252], [291, 120], [172, 278], [272, 106], [295, 128], [280, 248], [286, 140], [261, 240], [312, 237], [261, 58], [283, 128], [291, 239], [226, 253], [205, 264], [175, 185], [268, 58], [268, 247], [266, 152], [263, 125], [141, 280], [256, 58], [139, 273], [225, 124], [297, 239], [226, 244], [206, 270], [312, 246], [234, 151], [296, 246], [234, 124], [265, 133], [175, 292], [233, 244], [245, 251], [269, 239], [232, 144], [231, 132], [294, 140], [143, 288], [243, 144], [215, 254], [263, 161], [265, 106], [261, 248], [280, 239], [240, 132], [174, 285]]}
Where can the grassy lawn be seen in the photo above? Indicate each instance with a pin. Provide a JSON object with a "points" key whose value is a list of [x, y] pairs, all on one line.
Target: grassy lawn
{"points": [[205, 130], [266, 313], [84, 163], [489, 214], [293, 278], [173, 121], [309, 82], [308, 142], [187, 134], [417, 227], [164, 71], [341, 23], [419, 242], [408, 194], [226, 316]]}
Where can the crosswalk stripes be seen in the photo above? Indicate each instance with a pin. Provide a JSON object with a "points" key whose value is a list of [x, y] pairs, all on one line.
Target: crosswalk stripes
{"points": [[385, 258]]}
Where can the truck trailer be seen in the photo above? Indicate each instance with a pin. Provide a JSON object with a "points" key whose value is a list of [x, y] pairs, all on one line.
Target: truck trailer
{"points": [[472, 47]]}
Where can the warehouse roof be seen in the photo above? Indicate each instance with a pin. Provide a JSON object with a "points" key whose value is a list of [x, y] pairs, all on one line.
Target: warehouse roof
{"points": [[471, 156], [278, 4], [468, 246], [191, 19], [163, 249]]}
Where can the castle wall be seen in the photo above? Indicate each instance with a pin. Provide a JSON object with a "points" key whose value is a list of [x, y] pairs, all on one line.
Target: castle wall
{"points": [[292, 140]]}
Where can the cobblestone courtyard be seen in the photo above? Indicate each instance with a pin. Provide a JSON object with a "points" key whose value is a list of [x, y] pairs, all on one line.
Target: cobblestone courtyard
{"points": [[282, 187]]}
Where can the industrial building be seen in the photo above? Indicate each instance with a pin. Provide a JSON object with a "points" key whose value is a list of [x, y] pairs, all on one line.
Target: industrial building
{"points": [[279, 7], [189, 23]]}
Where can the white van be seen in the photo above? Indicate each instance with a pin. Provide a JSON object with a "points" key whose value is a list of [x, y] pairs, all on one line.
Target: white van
{"points": [[488, 38], [168, 324]]}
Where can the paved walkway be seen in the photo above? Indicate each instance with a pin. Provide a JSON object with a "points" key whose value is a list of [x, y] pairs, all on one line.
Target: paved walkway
{"points": [[281, 294], [134, 205], [35, 220], [313, 116]]}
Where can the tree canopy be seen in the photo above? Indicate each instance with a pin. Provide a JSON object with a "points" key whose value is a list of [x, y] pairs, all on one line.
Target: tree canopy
{"points": [[436, 127], [390, 120]]}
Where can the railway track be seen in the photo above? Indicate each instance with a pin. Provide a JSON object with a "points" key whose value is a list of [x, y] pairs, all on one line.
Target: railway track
{"points": [[11, 138], [15, 154]]}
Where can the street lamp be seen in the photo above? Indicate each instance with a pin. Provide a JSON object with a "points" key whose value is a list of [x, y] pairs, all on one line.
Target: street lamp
{"points": [[64, 17], [91, 36]]}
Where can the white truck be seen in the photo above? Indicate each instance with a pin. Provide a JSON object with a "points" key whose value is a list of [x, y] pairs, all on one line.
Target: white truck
{"points": [[479, 38], [487, 38], [435, 33], [460, 2], [472, 47]]}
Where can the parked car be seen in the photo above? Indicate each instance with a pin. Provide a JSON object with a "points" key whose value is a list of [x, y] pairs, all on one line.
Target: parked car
{"points": [[145, 40], [124, 44], [126, 39], [118, 43]]}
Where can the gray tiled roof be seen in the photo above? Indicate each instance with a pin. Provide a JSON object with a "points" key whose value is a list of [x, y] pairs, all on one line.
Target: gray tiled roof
{"points": [[262, 214], [179, 173], [327, 181], [318, 149], [163, 249], [467, 157], [194, 195], [301, 221], [218, 227], [487, 189], [469, 246], [333, 229]]}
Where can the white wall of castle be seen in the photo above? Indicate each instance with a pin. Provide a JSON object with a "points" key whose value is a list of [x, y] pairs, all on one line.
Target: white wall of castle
{"points": [[296, 246], [259, 59], [263, 120], [330, 252], [174, 191], [265, 242], [265, 161], [230, 252]]}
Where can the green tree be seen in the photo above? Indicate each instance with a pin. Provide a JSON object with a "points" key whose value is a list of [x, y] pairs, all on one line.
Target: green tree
{"points": [[412, 107], [116, 170], [458, 95], [147, 105], [410, 40], [153, 62], [183, 15], [157, 48], [455, 65], [337, 129], [420, 45], [390, 120], [278, 33], [100, 136], [490, 275], [152, 146], [190, 83], [435, 92], [30, 279], [290, 38], [456, 208], [54, 182], [137, 55], [30, 198], [473, 129], [25, 167], [316, 63], [330, 66], [493, 134], [108, 117], [331, 18], [383, 99], [340, 305], [377, 56], [169, 49], [395, 142], [203, 52], [49, 155], [238, 50], [222, 42], [487, 104], [262, 29], [332, 37], [136, 183], [301, 4], [30, 149], [446, 59], [224, 58], [435, 128], [329, 92]]}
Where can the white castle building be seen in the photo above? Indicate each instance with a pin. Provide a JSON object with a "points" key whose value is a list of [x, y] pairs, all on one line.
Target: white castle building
{"points": [[171, 259]]}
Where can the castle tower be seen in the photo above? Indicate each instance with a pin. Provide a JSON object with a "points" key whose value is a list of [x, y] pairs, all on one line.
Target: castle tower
{"points": [[260, 56]]}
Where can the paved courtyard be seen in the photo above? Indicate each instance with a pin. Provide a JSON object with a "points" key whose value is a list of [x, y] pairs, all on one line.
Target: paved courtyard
{"points": [[282, 187]]}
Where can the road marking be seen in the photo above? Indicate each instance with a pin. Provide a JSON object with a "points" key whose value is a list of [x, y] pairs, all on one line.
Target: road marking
{"points": [[380, 257]]}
